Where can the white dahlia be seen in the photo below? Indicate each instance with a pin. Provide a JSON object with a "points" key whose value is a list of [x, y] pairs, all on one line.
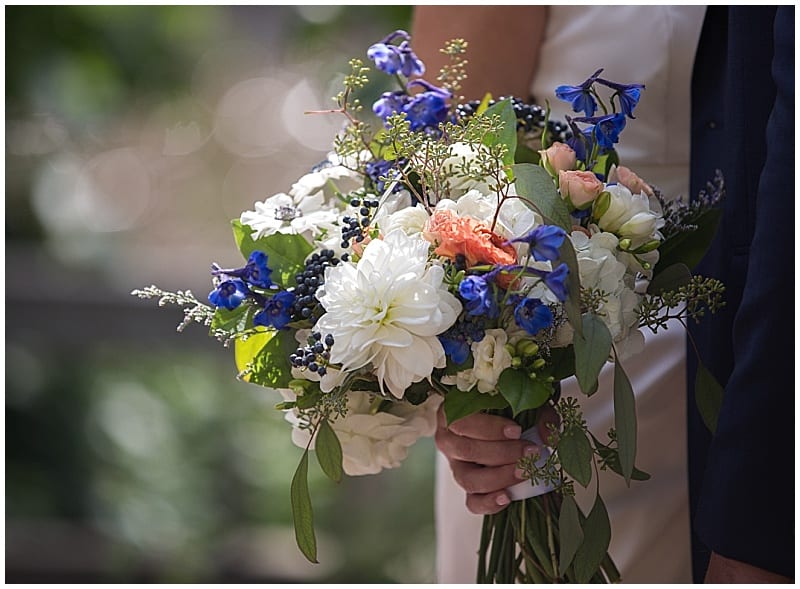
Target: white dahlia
{"points": [[387, 310]]}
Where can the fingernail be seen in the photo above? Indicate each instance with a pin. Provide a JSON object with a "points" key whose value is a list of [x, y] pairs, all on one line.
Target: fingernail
{"points": [[503, 500], [512, 432], [530, 450], [519, 473]]}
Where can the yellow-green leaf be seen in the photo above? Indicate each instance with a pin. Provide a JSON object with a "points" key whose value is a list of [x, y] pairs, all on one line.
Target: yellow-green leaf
{"points": [[302, 514], [329, 451]]}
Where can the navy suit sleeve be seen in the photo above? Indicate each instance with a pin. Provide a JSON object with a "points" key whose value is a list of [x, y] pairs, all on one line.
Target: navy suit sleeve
{"points": [[746, 508]]}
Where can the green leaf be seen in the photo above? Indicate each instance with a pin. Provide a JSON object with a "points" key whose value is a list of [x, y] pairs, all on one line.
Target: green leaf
{"points": [[591, 352], [610, 458], [230, 320], [521, 391], [575, 453], [508, 135], [689, 247], [562, 363], [525, 155], [329, 451], [535, 184], [286, 253], [572, 305], [570, 533], [596, 538], [708, 396], [270, 362], [669, 278], [302, 513], [458, 404], [624, 420], [605, 161], [453, 368]]}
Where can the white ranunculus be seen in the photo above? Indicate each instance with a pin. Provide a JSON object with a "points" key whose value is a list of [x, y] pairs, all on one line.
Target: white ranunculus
{"points": [[461, 158], [630, 216], [410, 220], [283, 214], [490, 359], [387, 310], [374, 441]]}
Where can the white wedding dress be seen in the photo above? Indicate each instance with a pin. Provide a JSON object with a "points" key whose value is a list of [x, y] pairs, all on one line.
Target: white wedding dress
{"points": [[653, 45]]}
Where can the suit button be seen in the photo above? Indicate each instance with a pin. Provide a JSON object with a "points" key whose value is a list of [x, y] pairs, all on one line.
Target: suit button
{"points": [[712, 124]]}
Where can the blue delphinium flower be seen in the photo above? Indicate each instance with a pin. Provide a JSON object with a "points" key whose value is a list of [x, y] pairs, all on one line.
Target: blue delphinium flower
{"points": [[628, 95], [544, 241], [277, 312], [384, 169], [533, 315], [580, 96], [457, 340], [556, 281], [390, 103], [393, 59], [479, 297], [605, 129], [228, 294], [427, 109], [256, 271]]}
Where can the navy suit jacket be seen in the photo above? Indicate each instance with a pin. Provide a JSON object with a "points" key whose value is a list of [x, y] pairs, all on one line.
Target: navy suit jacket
{"points": [[742, 480]]}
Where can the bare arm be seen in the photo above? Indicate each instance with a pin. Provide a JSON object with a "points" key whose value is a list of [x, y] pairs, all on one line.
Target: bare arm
{"points": [[503, 46]]}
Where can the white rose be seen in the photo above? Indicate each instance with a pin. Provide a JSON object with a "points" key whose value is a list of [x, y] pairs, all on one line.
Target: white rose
{"points": [[410, 220], [374, 441], [490, 359], [630, 216]]}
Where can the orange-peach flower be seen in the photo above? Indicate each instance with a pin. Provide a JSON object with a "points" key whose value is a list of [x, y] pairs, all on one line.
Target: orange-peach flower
{"points": [[453, 235]]}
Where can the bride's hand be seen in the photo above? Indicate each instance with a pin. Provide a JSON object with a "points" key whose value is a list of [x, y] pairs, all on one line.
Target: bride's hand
{"points": [[483, 451]]}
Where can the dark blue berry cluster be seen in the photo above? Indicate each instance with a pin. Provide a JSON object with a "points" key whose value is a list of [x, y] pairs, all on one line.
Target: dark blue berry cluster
{"points": [[457, 340], [308, 281], [315, 355], [354, 227]]}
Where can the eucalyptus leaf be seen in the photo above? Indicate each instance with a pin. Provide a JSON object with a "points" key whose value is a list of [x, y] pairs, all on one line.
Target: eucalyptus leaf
{"points": [[245, 350], [591, 352], [572, 306], [329, 451], [575, 453], [230, 319], [689, 247], [508, 135], [610, 459], [708, 396], [521, 391], [570, 533], [302, 513], [624, 420], [670, 278], [286, 253], [458, 404], [536, 186], [596, 538]]}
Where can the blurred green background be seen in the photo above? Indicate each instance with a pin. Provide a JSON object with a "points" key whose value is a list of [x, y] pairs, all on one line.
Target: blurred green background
{"points": [[133, 135]]}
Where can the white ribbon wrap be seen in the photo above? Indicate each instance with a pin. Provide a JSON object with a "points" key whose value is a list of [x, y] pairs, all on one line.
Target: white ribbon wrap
{"points": [[527, 489]]}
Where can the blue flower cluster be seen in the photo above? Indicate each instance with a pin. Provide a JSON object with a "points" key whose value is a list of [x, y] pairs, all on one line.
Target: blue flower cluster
{"points": [[482, 297], [424, 110], [603, 131], [237, 285]]}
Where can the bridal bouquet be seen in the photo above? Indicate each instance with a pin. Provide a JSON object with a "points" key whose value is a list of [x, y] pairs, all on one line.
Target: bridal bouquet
{"points": [[463, 257]]}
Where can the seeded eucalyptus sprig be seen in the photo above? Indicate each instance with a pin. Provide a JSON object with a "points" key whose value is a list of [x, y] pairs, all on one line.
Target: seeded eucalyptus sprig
{"points": [[689, 301]]}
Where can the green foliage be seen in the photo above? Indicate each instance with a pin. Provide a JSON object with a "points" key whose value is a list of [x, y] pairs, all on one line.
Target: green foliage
{"points": [[688, 301], [689, 247], [575, 453], [624, 420], [572, 306], [592, 351], [570, 533], [329, 451], [507, 134], [286, 252], [458, 404], [302, 512], [596, 539], [269, 365], [609, 458], [670, 278], [521, 391], [536, 187], [708, 396]]}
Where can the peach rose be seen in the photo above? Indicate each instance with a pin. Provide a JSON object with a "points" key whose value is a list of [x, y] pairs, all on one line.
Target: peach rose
{"points": [[558, 157], [579, 188], [453, 235], [630, 180]]}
